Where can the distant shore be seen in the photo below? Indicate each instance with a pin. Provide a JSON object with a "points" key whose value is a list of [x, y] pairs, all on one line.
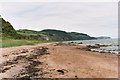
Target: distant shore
{"points": [[56, 60]]}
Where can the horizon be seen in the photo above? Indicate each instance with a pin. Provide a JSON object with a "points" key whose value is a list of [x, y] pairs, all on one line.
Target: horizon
{"points": [[94, 19]]}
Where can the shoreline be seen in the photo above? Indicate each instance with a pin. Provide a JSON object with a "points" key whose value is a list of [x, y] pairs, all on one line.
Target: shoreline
{"points": [[95, 47], [56, 60]]}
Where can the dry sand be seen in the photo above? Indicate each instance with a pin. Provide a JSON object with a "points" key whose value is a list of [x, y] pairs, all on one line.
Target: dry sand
{"points": [[63, 61]]}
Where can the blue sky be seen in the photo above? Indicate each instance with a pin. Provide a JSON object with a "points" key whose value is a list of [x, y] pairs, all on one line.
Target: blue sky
{"points": [[93, 18]]}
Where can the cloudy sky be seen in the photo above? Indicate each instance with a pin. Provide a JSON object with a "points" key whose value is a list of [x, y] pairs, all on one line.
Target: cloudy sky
{"points": [[93, 18]]}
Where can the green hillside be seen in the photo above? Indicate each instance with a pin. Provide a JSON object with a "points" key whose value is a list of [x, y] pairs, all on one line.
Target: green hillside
{"points": [[65, 36], [9, 32], [80, 36], [11, 37], [57, 35]]}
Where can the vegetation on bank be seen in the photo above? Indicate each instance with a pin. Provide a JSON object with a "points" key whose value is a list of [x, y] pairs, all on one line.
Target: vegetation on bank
{"points": [[16, 42], [13, 42]]}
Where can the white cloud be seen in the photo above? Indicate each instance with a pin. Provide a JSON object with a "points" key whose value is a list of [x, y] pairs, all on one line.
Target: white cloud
{"points": [[89, 17]]}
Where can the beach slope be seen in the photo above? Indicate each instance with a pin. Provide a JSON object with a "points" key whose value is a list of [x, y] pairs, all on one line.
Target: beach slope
{"points": [[51, 60]]}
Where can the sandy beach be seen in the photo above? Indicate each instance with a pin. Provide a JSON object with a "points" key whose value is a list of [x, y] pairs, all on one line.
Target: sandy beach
{"points": [[52, 60]]}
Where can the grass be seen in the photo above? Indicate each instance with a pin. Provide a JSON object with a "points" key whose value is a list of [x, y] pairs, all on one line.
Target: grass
{"points": [[12, 42]]}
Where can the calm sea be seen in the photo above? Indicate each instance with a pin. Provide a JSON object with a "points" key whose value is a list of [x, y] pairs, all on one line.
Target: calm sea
{"points": [[113, 48]]}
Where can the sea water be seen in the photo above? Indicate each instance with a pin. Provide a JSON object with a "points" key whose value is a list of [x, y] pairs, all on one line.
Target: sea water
{"points": [[113, 47]]}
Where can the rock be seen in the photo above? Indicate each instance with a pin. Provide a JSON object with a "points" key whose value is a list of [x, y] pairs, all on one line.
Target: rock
{"points": [[5, 55], [1, 69], [59, 43], [25, 77], [54, 44], [72, 42], [78, 47], [101, 52], [41, 50], [102, 45], [97, 44], [24, 51], [9, 62], [80, 43], [16, 53], [93, 46], [60, 72], [76, 76], [5, 69], [19, 57]]}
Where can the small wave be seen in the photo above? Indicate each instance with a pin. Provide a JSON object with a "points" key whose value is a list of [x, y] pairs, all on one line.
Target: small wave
{"points": [[110, 45]]}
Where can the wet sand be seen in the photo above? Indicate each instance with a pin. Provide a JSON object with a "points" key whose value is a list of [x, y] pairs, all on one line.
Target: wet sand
{"points": [[49, 60]]}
